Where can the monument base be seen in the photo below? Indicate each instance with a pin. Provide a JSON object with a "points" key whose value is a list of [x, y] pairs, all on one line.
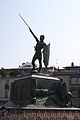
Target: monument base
{"points": [[39, 90]]}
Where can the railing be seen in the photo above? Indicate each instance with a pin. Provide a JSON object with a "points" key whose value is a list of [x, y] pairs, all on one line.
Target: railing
{"points": [[40, 114]]}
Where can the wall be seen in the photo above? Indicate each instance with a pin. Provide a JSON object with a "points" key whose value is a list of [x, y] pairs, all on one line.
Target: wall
{"points": [[42, 114]]}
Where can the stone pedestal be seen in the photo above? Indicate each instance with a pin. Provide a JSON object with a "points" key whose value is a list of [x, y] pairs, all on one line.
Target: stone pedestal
{"points": [[25, 88]]}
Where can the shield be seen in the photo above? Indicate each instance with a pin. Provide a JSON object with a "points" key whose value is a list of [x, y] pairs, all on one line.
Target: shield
{"points": [[46, 54]]}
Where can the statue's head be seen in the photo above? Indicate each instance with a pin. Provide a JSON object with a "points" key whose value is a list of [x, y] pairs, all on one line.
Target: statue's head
{"points": [[42, 38]]}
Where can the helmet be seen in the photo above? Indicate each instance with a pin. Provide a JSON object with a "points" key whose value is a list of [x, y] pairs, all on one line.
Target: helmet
{"points": [[42, 37]]}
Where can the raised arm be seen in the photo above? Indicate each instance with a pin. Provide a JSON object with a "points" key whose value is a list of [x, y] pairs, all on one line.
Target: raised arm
{"points": [[33, 35]]}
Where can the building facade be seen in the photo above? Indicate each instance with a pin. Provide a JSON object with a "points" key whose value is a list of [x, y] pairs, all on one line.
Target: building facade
{"points": [[70, 75], [7, 76]]}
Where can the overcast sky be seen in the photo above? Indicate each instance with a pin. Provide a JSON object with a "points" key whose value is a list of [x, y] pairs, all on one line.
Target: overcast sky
{"points": [[58, 20]]}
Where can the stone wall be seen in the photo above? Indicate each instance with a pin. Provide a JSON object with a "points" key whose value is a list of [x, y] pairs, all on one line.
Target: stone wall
{"points": [[41, 114]]}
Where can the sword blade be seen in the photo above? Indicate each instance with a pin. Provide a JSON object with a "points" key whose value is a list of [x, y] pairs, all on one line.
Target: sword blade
{"points": [[24, 20]]}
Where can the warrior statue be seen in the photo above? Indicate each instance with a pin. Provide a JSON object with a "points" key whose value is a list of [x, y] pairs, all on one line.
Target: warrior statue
{"points": [[38, 54], [38, 50]]}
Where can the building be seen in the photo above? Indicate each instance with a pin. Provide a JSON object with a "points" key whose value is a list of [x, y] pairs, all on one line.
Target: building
{"points": [[69, 74], [9, 75]]}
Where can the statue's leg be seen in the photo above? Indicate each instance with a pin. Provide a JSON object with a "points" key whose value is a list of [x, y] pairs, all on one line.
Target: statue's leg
{"points": [[40, 64], [33, 62]]}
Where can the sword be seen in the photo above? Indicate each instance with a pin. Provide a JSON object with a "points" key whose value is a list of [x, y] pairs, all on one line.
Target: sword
{"points": [[29, 28], [24, 21]]}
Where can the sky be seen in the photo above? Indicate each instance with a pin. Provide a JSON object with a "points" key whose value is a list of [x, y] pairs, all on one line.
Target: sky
{"points": [[58, 20]]}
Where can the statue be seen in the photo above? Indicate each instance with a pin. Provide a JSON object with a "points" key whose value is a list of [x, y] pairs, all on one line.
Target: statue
{"points": [[38, 50], [38, 54], [59, 95], [41, 90]]}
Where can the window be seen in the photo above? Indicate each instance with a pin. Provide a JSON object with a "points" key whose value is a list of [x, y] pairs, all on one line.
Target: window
{"points": [[74, 81], [79, 81], [22, 92], [6, 94], [78, 93]]}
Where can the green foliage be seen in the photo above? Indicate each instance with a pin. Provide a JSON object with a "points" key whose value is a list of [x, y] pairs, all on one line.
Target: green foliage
{"points": [[14, 73], [3, 72]]}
